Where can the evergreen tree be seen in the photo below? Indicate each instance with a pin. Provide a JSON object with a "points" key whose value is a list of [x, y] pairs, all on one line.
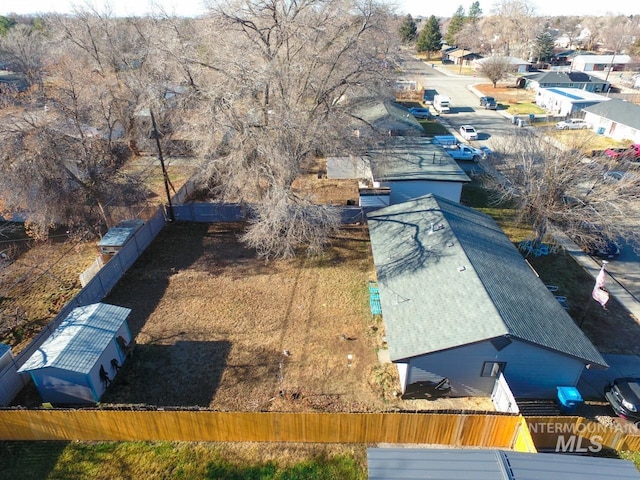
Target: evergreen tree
{"points": [[455, 25], [430, 38], [475, 12], [6, 24], [543, 48], [408, 30]]}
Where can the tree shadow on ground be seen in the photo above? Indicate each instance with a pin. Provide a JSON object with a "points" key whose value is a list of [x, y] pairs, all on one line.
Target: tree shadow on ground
{"points": [[186, 373]]}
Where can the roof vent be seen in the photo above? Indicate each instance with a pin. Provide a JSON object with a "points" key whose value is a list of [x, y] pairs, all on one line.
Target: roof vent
{"points": [[462, 268]]}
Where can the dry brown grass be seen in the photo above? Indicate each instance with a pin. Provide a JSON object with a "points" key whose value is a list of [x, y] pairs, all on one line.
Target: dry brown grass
{"points": [[507, 93], [212, 323], [36, 282]]}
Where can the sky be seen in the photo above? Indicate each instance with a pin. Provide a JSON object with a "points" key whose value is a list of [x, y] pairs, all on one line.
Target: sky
{"points": [[414, 7]]}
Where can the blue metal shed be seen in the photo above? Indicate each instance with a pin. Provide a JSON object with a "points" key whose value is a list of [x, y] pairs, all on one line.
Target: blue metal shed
{"points": [[67, 367]]}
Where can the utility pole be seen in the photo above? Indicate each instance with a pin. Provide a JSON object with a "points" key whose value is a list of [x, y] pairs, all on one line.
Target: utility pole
{"points": [[156, 135], [613, 57]]}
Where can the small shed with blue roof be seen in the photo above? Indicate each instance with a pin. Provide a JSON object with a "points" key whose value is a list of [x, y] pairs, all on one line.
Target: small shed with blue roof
{"points": [[76, 364]]}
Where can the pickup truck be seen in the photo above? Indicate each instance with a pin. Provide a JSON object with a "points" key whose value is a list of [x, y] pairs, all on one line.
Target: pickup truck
{"points": [[632, 152], [461, 151]]}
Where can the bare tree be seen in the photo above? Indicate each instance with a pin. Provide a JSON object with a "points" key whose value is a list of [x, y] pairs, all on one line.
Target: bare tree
{"points": [[24, 49], [570, 27], [619, 34], [67, 147], [513, 27], [276, 83], [559, 190], [496, 69]]}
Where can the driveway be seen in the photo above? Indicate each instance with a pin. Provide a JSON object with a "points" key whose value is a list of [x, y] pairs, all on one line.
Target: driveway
{"points": [[592, 382]]}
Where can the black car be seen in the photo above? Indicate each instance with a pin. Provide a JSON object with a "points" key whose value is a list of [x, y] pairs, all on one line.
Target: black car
{"points": [[623, 394], [485, 100], [595, 243]]}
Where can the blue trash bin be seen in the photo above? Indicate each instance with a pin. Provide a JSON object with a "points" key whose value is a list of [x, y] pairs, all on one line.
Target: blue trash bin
{"points": [[569, 398]]}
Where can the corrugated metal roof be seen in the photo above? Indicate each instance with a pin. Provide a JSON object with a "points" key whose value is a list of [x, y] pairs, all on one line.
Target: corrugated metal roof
{"points": [[78, 342], [448, 276], [117, 236], [461, 464], [4, 348], [414, 158], [551, 466], [619, 111], [434, 464]]}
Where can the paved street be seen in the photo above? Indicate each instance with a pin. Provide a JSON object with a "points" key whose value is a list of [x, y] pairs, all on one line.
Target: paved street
{"points": [[491, 126]]}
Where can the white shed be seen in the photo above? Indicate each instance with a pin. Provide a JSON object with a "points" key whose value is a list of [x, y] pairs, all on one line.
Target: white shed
{"points": [[67, 367]]}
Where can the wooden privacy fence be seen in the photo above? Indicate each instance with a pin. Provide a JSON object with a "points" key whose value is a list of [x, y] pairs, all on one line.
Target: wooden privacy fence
{"points": [[495, 431], [581, 435]]}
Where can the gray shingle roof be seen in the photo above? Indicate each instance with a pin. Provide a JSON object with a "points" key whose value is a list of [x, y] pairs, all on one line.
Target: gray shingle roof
{"points": [[386, 115], [80, 340], [414, 158], [461, 282], [481, 464], [619, 111], [563, 77]]}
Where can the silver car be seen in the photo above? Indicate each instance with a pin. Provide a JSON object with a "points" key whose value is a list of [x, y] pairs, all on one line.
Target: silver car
{"points": [[572, 124]]}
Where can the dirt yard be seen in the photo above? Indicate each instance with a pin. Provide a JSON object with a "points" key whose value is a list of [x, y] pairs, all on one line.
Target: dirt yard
{"points": [[507, 93], [216, 327]]}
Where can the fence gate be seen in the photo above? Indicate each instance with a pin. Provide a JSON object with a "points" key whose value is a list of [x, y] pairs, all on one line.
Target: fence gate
{"points": [[502, 398]]}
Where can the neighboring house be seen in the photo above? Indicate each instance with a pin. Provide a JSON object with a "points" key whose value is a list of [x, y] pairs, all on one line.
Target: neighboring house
{"points": [[412, 167], [384, 118], [600, 63], [460, 56], [460, 306], [616, 119], [66, 369], [448, 463], [519, 65], [578, 80], [566, 101]]}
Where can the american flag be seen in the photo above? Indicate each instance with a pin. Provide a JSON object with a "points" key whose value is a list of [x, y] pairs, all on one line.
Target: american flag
{"points": [[599, 293]]}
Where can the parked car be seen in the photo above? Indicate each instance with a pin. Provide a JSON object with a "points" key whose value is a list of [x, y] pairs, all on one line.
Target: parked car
{"points": [[623, 394], [597, 244], [468, 132], [485, 100], [421, 113], [632, 152], [572, 124], [491, 105]]}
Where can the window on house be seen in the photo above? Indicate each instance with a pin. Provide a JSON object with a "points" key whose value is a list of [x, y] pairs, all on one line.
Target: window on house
{"points": [[492, 369]]}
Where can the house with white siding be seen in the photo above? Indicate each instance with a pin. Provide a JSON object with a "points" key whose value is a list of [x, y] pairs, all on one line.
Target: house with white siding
{"points": [[460, 305], [600, 63], [615, 119]]}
